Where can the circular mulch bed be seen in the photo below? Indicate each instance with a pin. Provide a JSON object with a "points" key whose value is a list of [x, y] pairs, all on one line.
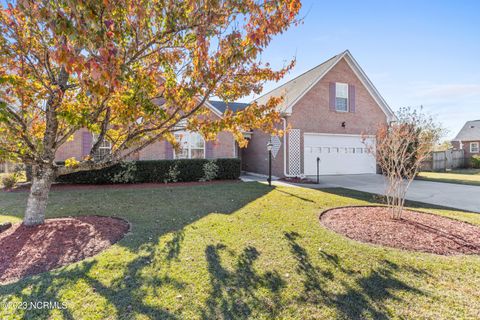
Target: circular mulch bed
{"points": [[26, 251], [415, 231]]}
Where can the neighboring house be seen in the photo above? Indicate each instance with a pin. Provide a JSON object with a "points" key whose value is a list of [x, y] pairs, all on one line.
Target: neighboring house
{"points": [[468, 139], [331, 111]]}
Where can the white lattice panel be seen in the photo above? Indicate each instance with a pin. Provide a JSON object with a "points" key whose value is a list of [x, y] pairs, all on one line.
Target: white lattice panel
{"points": [[276, 144], [294, 155]]}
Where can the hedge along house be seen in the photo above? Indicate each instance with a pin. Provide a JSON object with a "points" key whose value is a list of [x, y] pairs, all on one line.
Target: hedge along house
{"points": [[193, 146], [329, 109]]}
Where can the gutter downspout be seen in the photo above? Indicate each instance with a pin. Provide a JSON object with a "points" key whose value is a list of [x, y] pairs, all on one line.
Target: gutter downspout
{"points": [[285, 150]]}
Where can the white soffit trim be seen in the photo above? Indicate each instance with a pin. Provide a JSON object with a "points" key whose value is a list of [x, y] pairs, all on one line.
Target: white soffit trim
{"points": [[369, 85], [360, 74], [215, 110], [290, 106], [337, 134]]}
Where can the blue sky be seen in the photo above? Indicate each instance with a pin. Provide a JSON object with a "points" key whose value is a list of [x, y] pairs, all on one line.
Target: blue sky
{"points": [[415, 52]]}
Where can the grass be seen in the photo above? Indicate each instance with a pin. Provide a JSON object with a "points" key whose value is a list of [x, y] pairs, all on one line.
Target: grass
{"points": [[238, 251], [460, 176]]}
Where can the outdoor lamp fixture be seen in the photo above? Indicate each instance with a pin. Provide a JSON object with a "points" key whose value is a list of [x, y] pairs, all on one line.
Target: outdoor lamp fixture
{"points": [[344, 124], [269, 148]]}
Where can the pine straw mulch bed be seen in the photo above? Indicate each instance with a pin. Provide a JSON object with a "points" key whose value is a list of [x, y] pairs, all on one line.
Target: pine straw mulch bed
{"points": [[27, 251], [415, 231], [298, 180]]}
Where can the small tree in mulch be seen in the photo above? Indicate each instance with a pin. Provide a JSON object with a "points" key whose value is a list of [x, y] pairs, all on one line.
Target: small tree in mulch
{"points": [[401, 148]]}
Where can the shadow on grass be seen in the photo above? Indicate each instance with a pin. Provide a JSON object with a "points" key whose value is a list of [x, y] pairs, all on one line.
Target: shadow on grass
{"points": [[234, 293], [237, 290], [171, 210], [359, 300], [294, 195], [380, 199]]}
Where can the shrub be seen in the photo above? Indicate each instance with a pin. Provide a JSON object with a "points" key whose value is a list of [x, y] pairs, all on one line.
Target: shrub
{"points": [[210, 171], [9, 180], [126, 173], [476, 161], [172, 174], [178, 170]]}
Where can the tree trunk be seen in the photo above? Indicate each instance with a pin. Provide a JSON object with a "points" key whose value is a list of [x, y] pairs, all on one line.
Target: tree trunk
{"points": [[42, 178]]}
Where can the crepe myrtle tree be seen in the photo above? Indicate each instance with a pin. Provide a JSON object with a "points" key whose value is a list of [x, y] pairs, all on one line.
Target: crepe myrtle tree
{"points": [[129, 72], [401, 148]]}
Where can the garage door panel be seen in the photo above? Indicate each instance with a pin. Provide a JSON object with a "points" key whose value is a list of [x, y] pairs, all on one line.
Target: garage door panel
{"points": [[339, 154]]}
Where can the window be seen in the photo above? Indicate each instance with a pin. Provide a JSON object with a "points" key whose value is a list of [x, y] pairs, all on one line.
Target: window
{"points": [[474, 147], [104, 149], [341, 97], [192, 145]]}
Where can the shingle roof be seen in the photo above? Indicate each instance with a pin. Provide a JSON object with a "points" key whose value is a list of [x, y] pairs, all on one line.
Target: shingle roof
{"points": [[469, 132], [222, 106], [294, 88]]}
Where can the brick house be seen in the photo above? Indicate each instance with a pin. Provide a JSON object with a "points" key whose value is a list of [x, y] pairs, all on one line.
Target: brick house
{"points": [[329, 109], [468, 139], [193, 145]]}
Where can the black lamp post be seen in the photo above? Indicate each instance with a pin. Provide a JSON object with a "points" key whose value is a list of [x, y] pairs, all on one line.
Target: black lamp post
{"points": [[269, 148]]}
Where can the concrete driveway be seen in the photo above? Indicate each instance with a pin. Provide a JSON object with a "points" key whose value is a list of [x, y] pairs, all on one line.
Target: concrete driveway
{"points": [[444, 194]]}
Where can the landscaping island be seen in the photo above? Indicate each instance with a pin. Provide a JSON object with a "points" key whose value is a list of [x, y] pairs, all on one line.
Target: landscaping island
{"points": [[415, 231], [31, 250]]}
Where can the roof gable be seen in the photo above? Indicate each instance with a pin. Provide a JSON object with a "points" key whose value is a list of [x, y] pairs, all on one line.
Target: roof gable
{"points": [[296, 88], [469, 132], [223, 106]]}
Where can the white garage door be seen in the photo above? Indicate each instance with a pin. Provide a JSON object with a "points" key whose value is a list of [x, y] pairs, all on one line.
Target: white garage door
{"points": [[339, 154]]}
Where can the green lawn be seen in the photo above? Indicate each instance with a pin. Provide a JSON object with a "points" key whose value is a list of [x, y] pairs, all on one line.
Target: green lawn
{"points": [[461, 176], [237, 251]]}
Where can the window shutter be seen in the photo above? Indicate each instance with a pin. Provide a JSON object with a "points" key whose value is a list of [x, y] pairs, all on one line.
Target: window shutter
{"points": [[332, 95], [87, 140], [209, 149], [168, 151], [351, 98]]}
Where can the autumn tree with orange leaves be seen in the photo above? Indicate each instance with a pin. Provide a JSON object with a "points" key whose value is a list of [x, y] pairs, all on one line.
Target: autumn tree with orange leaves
{"points": [[128, 71]]}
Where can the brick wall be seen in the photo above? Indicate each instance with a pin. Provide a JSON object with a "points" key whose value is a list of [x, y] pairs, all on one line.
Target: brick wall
{"points": [[466, 148], [312, 114], [223, 147], [71, 149], [255, 156]]}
